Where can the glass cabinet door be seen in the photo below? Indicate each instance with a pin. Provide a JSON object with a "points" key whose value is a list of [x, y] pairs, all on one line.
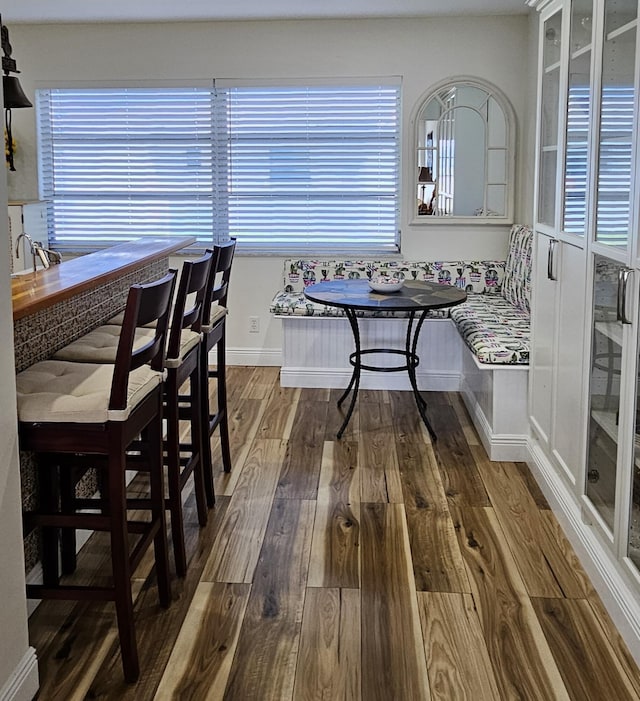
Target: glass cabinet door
{"points": [[550, 102], [604, 391], [576, 162], [616, 128]]}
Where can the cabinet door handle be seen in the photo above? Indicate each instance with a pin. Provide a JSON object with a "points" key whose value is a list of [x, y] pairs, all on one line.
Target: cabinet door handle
{"points": [[551, 254], [623, 280]]}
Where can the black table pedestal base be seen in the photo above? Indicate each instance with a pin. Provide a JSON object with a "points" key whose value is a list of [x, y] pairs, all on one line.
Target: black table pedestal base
{"points": [[411, 363]]}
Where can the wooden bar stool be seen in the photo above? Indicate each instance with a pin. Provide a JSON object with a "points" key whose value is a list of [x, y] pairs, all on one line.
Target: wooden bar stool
{"points": [[214, 335], [182, 366], [95, 410]]}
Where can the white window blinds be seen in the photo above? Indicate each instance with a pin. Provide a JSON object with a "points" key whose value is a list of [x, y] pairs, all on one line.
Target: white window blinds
{"points": [[577, 160], [314, 168], [283, 169], [615, 165], [120, 163], [615, 160]]}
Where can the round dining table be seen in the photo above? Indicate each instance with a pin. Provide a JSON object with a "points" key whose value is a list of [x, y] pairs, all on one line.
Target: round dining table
{"points": [[415, 299]]}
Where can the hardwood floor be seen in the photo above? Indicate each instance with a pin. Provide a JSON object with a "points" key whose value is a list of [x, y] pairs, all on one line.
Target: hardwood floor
{"points": [[377, 567]]}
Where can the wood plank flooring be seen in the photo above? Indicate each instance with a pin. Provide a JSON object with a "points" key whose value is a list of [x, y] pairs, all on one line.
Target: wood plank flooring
{"points": [[380, 567]]}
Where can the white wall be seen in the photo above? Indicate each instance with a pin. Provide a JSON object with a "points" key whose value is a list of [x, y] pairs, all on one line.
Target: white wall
{"points": [[18, 671], [422, 51]]}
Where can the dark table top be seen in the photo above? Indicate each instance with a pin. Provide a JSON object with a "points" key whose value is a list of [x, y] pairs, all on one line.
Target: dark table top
{"points": [[415, 295]]}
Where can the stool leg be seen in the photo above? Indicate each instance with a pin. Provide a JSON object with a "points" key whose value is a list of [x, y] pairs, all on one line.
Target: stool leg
{"points": [[197, 439], [173, 474], [121, 563], [222, 403], [207, 460], [49, 495], [67, 535], [156, 489]]}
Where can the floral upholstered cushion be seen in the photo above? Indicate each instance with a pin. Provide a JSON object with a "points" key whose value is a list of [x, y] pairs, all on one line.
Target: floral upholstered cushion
{"points": [[516, 286], [483, 276], [494, 330], [295, 303]]}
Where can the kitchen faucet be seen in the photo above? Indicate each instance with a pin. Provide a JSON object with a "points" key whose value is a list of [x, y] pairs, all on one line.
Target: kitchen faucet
{"points": [[36, 249]]}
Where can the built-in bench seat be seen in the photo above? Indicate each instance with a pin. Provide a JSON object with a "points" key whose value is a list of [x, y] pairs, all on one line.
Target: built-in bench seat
{"points": [[480, 347], [496, 328], [496, 332]]}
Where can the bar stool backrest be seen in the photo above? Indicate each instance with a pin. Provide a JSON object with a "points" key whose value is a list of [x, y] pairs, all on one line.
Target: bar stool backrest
{"points": [[146, 303], [218, 287], [189, 301]]}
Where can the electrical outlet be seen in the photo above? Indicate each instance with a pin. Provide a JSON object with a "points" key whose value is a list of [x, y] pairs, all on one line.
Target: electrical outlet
{"points": [[254, 324]]}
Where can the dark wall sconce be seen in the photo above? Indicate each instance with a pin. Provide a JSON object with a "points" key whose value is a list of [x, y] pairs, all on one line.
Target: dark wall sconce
{"points": [[14, 97]]}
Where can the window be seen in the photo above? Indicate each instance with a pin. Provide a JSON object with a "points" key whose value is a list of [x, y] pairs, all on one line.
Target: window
{"points": [[123, 163], [283, 169]]}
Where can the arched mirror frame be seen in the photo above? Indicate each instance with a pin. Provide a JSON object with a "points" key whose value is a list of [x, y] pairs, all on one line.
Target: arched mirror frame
{"points": [[417, 169]]}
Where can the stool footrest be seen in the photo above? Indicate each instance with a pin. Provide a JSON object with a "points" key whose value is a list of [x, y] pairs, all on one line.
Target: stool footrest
{"points": [[67, 592], [90, 522]]}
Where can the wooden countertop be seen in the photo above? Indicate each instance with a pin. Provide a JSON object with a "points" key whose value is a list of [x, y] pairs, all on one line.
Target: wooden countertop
{"points": [[31, 292]]}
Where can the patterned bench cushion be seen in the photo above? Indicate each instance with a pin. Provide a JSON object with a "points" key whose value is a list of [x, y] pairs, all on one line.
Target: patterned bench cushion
{"points": [[296, 304], [482, 277], [516, 285], [496, 332], [473, 276]]}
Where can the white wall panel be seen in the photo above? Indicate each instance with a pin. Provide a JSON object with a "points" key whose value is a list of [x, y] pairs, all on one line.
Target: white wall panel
{"points": [[421, 51]]}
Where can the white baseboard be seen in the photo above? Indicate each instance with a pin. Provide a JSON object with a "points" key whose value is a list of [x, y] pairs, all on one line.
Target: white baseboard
{"points": [[252, 356], [338, 378], [620, 597], [23, 683]]}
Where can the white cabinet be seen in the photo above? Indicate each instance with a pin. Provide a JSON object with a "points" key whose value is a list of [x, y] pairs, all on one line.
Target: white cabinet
{"points": [[31, 218], [556, 372], [543, 322], [585, 382], [568, 421], [559, 266]]}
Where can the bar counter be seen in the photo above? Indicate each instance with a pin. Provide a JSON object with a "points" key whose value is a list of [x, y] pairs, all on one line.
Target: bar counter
{"points": [[31, 292]]}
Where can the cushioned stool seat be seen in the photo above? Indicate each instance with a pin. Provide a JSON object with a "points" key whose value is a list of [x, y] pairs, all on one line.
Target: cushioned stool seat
{"points": [[217, 314], [58, 391], [99, 345]]}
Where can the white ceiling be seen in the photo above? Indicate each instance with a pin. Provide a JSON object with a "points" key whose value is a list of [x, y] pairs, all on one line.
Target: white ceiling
{"points": [[14, 11]]}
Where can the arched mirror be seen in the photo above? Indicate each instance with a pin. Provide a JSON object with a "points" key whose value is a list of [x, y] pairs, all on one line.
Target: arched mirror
{"points": [[465, 148]]}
